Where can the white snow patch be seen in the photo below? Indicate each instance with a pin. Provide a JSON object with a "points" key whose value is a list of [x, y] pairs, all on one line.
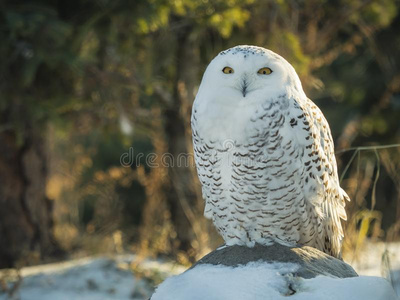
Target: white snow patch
{"points": [[267, 281], [89, 279], [92, 278], [369, 261], [372, 262]]}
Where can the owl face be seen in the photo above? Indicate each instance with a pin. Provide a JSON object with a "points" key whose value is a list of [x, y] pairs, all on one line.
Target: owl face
{"points": [[246, 74], [235, 85]]}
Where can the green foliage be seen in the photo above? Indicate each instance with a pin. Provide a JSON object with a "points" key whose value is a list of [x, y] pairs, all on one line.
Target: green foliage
{"points": [[293, 50], [379, 12], [225, 21]]}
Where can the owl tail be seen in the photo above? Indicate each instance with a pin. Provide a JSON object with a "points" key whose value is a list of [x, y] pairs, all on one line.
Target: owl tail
{"points": [[332, 233], [332, 242]]}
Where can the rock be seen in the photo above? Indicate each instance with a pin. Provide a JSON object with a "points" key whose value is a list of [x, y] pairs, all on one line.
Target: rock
{"points": [[312, 261]]}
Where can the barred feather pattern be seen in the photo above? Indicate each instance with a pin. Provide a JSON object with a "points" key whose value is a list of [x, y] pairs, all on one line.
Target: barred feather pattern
{"points": [[277, 184]]}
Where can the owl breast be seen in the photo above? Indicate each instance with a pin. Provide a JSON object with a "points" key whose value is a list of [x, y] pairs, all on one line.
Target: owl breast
{"points": [[252, 177]]}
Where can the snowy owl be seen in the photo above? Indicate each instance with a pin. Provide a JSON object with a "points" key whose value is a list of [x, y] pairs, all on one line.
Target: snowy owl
{"points": [[264, 154]]}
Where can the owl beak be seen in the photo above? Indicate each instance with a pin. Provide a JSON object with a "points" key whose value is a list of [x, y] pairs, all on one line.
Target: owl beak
{"points": [[244, 90], [244, 86]]}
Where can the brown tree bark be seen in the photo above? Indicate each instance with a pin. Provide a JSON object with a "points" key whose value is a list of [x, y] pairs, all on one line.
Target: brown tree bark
{"points": [[25, 212], [181, 194]]}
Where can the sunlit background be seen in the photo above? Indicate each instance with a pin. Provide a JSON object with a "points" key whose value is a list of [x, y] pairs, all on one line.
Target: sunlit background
{"points": [[89, 90]]}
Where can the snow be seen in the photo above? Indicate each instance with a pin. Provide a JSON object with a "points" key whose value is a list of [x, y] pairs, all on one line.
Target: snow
{"points": [[268, 281], [372, 262], [219, 282], [92, 278], [369, 261], [102, 278], [95, 280]]}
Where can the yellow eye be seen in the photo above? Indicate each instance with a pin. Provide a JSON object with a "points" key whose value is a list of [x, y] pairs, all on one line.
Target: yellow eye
{"points": [[264, 71], [227, 70]]}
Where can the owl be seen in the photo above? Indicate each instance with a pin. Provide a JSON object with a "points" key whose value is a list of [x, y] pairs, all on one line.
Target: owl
{"points": [[264, 154]]}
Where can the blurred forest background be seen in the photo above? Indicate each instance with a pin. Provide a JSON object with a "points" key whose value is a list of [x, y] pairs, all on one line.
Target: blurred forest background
{"points": [[89, 87]]}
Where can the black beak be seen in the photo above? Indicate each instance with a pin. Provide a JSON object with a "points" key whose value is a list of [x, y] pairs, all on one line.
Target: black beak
{"points": [[244, 87]]}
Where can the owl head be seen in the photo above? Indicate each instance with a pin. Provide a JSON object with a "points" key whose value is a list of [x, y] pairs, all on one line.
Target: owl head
{"points": [[246, 74]]}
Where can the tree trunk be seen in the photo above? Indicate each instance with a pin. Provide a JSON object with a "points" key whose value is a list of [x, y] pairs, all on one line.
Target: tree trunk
{"points": [[25, 212], [181, 196]]}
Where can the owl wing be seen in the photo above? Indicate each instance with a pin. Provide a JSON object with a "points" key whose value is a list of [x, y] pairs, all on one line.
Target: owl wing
{"points": [[204, 165], [320, 177]]}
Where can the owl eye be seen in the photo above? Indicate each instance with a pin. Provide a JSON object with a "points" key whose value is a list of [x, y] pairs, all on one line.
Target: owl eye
{"points": [[264, 71], [227, 70]]}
